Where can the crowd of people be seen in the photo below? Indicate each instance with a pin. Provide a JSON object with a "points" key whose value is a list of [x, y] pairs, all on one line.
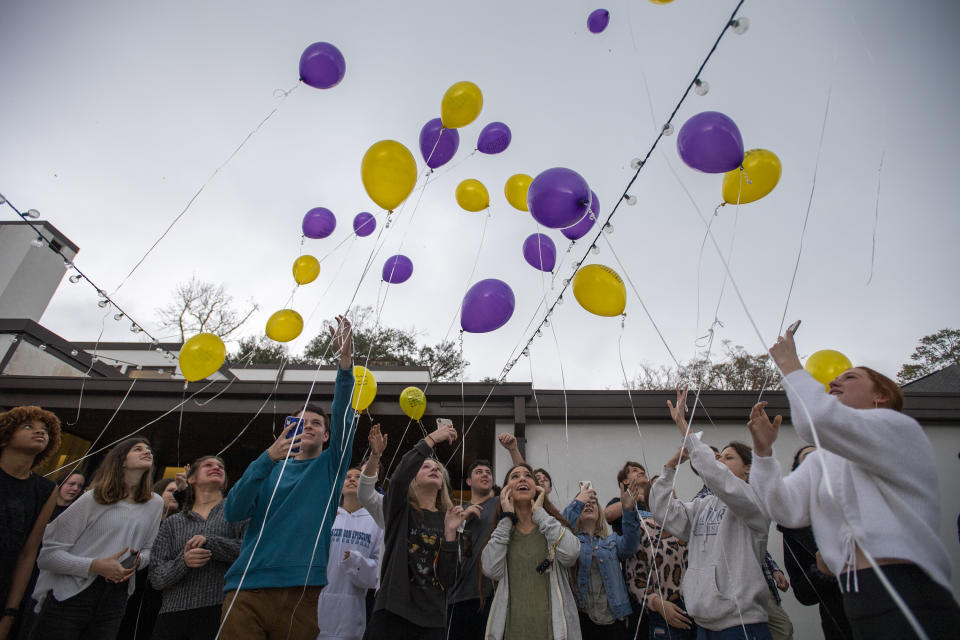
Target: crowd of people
{"points": [[305, 546]]}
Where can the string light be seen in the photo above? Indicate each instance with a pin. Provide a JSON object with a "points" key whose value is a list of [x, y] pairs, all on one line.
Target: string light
{"points": [[594, 249], [37, 242], [102, 304], [42, 347], [75, 278], [74, 353], [701, 87], [636, 163], [608, 228], [740, 25], [2, 199], [32, 213], [631, 200], [546, 322], [668, 129], [118, 316]]}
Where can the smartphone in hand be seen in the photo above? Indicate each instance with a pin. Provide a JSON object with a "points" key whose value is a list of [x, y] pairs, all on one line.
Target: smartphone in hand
{"points": [[130, 560], [793, 328], [444, 422], [291, 420]]}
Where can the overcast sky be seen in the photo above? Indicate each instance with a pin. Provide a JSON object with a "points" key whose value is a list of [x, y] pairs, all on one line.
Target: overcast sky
{"points": [[115, 113]]}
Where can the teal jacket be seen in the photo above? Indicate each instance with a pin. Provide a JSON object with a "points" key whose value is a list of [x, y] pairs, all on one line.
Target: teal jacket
{"points": [[305, 504]]}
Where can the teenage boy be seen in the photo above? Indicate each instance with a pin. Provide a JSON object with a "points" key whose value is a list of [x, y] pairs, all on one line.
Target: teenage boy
{"points": [[468, 603], [290, 494]]}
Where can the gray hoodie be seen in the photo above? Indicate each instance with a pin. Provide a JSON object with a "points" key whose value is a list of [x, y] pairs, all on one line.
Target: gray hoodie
{"points": [[726, 536]]}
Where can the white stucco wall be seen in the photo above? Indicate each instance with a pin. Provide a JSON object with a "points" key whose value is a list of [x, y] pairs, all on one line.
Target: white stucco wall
{"points": [[595, 452]]}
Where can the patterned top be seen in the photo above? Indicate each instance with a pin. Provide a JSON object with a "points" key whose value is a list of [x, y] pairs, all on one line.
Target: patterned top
{"points": [[669, 558], [184, 588]]}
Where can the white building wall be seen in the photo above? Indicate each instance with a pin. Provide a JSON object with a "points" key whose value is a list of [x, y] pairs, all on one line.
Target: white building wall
{"points": [[595, 452]]}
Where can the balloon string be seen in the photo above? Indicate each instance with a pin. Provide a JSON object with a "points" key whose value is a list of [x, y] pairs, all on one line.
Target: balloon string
{"points": [[449, 169], [876, 220], [196, 195], [473, 271]]}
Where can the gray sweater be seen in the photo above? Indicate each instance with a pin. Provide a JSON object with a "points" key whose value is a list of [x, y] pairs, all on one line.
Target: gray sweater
{"points": [[726, 536], [185, 588]]}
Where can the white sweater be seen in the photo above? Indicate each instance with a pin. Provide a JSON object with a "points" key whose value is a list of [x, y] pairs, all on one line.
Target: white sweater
{"points": [[89, 530], [882, 471], [341, 610], [726, 535]]}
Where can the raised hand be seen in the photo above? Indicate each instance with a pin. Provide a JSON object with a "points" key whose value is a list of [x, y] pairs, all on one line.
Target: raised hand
{"points": [[630, 495], [507, 440], [180, 478], [452, 520], [341, 338], [764, 431], [278, 450], [678, 411], [444, 432], [377, 441], [586, 494], [784, 352]]}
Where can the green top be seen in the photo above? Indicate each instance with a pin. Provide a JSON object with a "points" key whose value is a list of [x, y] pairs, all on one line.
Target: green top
{"points": [[528, 612]]}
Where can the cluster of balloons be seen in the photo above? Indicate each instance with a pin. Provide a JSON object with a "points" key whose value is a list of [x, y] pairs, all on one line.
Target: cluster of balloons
{"points": [[825, 365], [711, 142]]}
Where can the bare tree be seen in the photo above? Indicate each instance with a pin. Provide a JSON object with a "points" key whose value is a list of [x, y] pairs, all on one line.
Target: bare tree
{"points": [[737, 371], [203, 307]]}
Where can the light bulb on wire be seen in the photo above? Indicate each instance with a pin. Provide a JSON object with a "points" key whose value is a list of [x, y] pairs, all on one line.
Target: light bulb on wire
{"points": [[631, 200], [37, 242], [701, 87], [102, 304], [32, 213], [636, 163], [668, 129], [740, 25], [608, 228], [75, 278]]}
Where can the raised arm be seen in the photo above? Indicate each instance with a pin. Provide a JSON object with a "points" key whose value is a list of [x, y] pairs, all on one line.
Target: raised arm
{"points": [[785, 500], [409, 465], [241, 502], [675, 516], [629, 542], [341, 415], [565, 544], [509, 442], [367, 492]]}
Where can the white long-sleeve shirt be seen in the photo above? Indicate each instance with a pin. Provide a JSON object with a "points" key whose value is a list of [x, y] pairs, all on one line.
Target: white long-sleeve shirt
{"points": [[89, 530], [341, 610], [882, 471]]}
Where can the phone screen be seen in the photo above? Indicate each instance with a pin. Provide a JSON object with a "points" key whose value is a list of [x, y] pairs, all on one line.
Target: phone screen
{"points": [[130, 560]]}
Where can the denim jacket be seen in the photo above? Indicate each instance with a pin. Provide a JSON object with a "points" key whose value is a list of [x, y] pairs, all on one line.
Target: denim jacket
{"points": [[609, 552]]}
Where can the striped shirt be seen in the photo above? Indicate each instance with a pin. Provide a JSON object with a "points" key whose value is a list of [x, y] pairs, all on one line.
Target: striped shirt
{"points": [[185, 588]]}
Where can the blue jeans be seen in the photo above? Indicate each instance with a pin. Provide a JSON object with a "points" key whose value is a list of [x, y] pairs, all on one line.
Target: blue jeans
{"points": [[757, 631], [660, 630]]}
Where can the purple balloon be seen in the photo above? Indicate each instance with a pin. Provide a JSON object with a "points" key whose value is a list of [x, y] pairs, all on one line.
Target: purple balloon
{"points": [[364, 224], [710, 142], [438, 145], [540, 252], [558, 198], [397, 269], [494, 138], [488, 305], [322, 65], [585, 223], [319, 223], [597, 21]]}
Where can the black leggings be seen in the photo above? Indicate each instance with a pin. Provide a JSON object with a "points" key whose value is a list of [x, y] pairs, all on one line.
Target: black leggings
{"points": [[384, 625], [873, 615]]}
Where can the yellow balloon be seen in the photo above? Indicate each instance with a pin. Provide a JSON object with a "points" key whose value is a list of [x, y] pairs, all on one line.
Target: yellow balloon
{"points": [[201, 356], [461, 105], [825, 365], [364, 388], [306, 268], [600, 290], [413, 402], [389, 173], [661, 1], [756, 177], [472, 195], [516, 190], [284, 325]]}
